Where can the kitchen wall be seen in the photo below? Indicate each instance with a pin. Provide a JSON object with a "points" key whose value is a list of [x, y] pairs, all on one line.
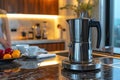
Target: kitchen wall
{"points": [[23, 23]]}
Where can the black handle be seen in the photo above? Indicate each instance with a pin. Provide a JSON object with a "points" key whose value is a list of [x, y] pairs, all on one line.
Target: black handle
{"points": [[97, 25]]}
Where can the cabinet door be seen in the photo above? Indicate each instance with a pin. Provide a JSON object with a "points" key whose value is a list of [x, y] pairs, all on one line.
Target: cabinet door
{"points": [[2, 4], [51, 46], [20, 6], [9, 5], [49, 7], [30, 6]]}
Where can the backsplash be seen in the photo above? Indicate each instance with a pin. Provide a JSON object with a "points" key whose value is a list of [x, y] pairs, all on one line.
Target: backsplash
{"points": [[18, 25]]}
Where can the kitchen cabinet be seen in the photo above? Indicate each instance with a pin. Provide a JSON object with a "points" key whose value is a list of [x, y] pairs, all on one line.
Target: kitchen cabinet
{"points": [[58, 46], [9, 5], [49, 7], [30, 6]]}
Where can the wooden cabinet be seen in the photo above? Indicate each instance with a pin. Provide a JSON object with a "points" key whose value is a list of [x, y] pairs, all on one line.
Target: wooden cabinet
{"points": [[9, 5], [49, 7], [30, 6], [51, 46]]}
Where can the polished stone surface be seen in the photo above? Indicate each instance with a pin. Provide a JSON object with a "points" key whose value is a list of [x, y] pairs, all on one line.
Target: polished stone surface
{"points": [[51, 69]]}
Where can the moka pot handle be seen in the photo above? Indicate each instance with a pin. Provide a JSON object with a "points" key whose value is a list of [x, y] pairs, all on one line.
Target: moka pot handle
{"points": [[98, 26]]}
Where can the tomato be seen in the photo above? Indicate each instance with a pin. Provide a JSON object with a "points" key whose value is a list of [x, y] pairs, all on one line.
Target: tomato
{"points": [[8, 50], [1, 53]]}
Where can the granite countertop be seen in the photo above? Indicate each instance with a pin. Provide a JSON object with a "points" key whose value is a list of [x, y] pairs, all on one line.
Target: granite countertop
{"points": [[35, 41], [51, 69]]}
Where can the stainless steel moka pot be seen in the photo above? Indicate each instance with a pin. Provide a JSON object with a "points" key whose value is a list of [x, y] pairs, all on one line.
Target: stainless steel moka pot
{"points": [[80, 50]]}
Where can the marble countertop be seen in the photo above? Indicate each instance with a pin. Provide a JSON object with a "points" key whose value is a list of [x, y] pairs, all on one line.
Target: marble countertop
{"points": [[35, 41], [51, 69]]}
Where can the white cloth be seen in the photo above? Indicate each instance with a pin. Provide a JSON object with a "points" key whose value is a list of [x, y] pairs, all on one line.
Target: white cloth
{"points": [[41, 56]]}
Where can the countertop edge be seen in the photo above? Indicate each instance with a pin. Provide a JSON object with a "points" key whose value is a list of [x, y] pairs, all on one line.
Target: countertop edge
{"points": [[35, 41], [101, 54]]}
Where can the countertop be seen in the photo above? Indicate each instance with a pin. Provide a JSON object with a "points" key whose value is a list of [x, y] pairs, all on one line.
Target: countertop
{"points": [[51, 69], [35, 41]]}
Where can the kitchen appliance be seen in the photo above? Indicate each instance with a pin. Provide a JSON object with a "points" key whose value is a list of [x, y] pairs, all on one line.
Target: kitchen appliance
{"points": [[80, 50], [31, 34], [44, 31], [37, 31]]}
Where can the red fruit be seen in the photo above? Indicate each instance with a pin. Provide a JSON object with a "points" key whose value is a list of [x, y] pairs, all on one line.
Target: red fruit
{"points": [[8, 50], [1, 53]]}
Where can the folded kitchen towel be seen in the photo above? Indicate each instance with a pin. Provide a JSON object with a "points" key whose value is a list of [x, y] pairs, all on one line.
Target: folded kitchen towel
{"points": [[45, 56]]}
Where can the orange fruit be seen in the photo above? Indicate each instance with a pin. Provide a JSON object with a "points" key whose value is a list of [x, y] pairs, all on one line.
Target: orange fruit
{"points": [[15, 54], [7, 56], [16, 51]]}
